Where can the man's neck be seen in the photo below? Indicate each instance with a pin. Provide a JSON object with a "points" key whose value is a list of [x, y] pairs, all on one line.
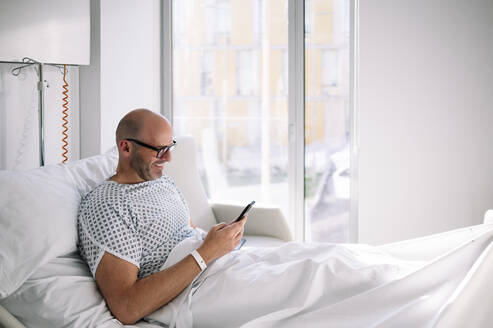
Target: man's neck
{"points": [[123, 177]]}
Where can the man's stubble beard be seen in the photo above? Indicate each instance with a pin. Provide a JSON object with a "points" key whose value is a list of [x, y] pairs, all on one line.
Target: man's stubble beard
{"points": [[142, 168]]}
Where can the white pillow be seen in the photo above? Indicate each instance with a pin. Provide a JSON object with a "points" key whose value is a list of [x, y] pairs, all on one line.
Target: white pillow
{"points": [[38, 214], [61, 293]]}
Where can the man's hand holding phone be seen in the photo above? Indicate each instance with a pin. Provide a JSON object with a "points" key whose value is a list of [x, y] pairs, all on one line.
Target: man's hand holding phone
{"points": [[223, 238]]}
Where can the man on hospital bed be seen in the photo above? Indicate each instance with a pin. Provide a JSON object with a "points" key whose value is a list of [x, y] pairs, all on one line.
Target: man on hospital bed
{"points": [[150, 262], [129, 224]]}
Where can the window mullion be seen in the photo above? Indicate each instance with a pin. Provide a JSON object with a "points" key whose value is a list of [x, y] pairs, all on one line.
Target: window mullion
{"points": [[296, 117], [353, 89], [166, 60]]}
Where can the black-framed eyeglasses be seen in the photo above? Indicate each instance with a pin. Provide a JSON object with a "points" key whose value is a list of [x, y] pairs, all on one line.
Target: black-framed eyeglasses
{"points": [[160, 151]]}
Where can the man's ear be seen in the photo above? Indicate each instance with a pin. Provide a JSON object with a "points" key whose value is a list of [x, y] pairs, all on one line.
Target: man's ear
{"points": [[124, 147]]}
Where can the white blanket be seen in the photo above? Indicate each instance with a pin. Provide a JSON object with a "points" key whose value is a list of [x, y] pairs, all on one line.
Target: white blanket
{"points": [[442, 281], [327, 285]]}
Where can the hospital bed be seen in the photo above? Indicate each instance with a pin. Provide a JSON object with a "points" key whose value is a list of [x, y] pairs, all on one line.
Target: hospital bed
{"points": [[44, 283]]}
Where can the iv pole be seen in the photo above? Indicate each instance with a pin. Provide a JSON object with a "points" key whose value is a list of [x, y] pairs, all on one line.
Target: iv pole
{"points": [[41, 117], [41, 86]]}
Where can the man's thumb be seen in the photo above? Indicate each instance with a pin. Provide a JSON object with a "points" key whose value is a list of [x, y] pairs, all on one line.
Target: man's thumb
{"points": [[219, 226]]}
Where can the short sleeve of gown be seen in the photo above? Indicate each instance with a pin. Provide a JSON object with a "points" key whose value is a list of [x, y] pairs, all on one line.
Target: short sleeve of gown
{"points": [[104, 227]]}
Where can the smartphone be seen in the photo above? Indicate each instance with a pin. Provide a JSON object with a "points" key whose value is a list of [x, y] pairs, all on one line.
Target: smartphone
{"points": [[245, 211]]}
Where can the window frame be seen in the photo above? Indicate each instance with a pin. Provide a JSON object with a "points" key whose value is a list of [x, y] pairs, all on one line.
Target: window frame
{"points": [[296, 107]]}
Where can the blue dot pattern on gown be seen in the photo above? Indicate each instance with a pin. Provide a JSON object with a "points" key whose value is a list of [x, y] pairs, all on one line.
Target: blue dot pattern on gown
{"points": [[139, 223]]}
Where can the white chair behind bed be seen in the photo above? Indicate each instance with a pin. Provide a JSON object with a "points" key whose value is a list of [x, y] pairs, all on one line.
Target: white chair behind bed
{"points": [[266, 226]]}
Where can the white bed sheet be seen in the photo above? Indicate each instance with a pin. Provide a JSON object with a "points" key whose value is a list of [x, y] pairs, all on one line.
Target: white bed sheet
{"points": [[62, 293], [437, 281], [333, 285]]}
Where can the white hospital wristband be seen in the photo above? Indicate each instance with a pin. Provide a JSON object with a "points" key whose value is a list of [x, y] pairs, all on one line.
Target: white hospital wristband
{"points": [[200, 261]]}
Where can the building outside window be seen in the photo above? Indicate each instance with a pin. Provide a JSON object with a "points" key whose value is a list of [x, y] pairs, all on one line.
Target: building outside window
{"points": [[330, 69], [246, 72], [207, 66], [231, 91]]}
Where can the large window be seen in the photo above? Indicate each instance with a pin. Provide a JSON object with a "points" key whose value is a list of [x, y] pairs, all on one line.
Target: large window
{"points": [[230, 90]]}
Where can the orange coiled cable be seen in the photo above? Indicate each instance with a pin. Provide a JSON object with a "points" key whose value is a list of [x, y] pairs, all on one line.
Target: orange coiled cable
{"points": [[65, 116]]}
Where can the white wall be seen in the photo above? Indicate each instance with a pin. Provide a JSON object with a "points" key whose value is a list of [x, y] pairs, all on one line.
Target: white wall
{"points": [[48, 31], [125, 68], [425, 116]]}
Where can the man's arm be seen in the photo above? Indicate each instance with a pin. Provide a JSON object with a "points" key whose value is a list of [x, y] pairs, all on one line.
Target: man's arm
{"points": [[130, 299]]}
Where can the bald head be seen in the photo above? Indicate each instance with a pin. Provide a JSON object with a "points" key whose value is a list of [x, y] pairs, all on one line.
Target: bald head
{"points": [[140, 123], [139, 136]]}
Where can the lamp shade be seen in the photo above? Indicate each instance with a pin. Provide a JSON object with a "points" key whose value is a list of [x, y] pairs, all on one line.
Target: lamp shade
{"points": [[48, 31]]}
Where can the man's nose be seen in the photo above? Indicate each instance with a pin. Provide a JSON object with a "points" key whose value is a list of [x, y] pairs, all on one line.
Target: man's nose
{"points": [[167, 157]]}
